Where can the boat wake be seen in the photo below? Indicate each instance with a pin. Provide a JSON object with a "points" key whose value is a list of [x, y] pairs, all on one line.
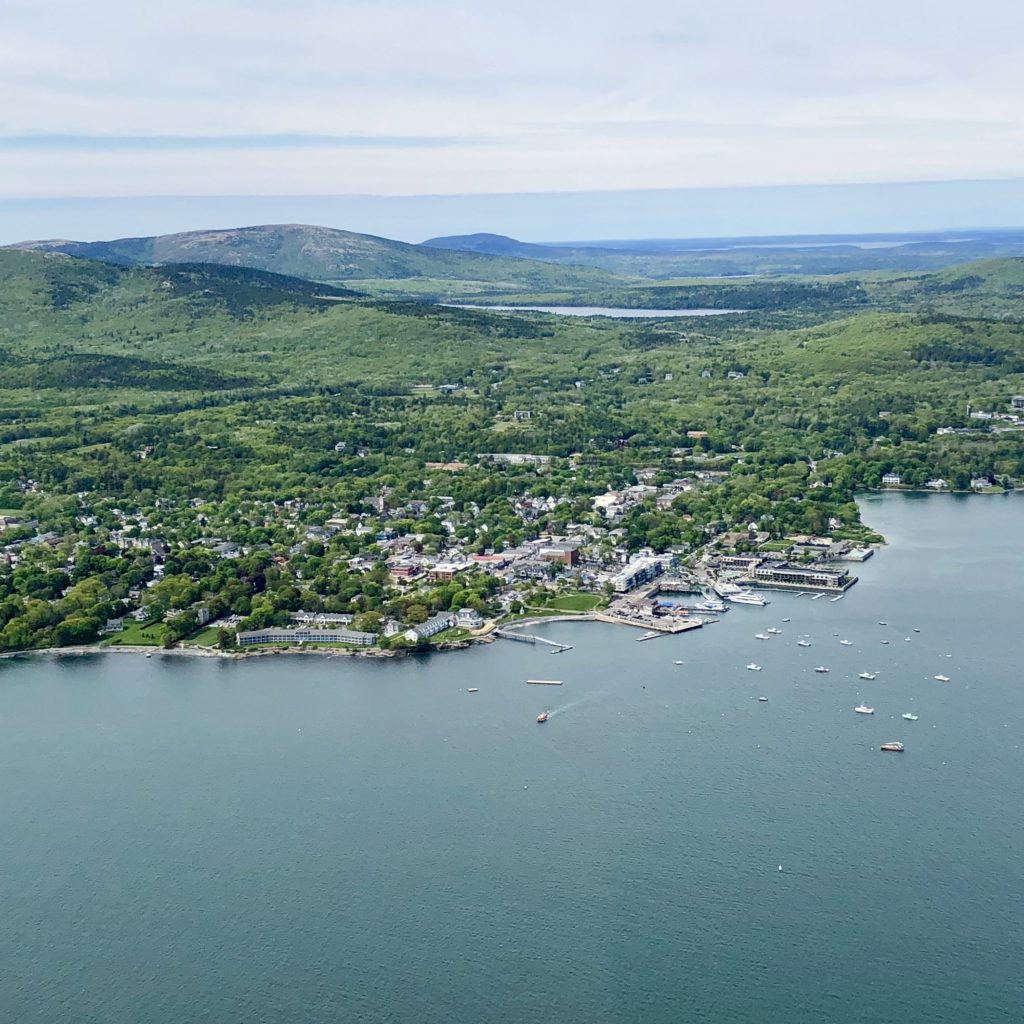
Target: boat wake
{"points": [[587, 699]]}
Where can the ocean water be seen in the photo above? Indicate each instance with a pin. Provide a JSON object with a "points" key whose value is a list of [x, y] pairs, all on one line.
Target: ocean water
{"points": [[306, 839]]}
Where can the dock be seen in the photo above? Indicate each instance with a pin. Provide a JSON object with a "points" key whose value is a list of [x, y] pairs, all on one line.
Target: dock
{"points": [[530, 638], [667, 624]]}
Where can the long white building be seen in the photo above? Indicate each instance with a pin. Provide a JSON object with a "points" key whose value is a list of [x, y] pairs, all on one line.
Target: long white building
{"points": [[303, 635]]}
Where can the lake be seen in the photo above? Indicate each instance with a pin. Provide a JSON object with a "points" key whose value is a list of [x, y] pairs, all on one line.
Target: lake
{"points": [[614, 312], [307, 839]]}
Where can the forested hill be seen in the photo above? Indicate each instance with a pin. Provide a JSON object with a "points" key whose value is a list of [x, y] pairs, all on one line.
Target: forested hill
{"points": [[35, 287], [327, 254]]}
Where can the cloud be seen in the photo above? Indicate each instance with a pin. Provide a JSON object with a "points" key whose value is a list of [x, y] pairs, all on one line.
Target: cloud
{"points": [[255, 96]]}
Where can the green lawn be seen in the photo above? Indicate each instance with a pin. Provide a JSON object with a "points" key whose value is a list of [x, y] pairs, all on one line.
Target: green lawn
{"points": [[135, 634], [206, 637], [449, 635], [575, 602]]}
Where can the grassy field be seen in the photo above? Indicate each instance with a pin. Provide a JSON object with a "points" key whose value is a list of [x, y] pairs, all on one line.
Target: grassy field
{"points": [[575, 602], [206, 637], [135, 634]]}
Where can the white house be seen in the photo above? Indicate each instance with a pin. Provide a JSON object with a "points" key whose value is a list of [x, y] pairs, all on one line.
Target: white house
{"points": [[468, 618]]}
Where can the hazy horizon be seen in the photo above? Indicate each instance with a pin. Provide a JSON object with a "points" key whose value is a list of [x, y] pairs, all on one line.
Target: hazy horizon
{"points": [[800, 210]]}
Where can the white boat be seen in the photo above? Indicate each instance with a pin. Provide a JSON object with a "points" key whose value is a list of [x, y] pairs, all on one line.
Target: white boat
{"points": [[652, 634], [846, 643], [774, 629], [885, 641], [916, 630], [803, 643], [761, 636], [941, 678], [867, 675], [906, 639], [753, 667], [785, 620], [745, 597], [473, 689], [677, 663], [710, 605], [762, 698], [821, 668], [863, 709], [883, 623], [908, 716]]}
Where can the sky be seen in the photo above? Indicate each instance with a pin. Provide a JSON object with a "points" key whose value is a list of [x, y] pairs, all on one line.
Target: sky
{"points": [[115, 102]]}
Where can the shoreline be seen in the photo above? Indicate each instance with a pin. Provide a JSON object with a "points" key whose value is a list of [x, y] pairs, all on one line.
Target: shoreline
{"points": [[240, 655]]}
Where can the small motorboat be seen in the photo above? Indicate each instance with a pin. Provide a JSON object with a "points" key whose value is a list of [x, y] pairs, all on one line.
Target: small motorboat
{"points": [[762, 698], [821, 668], [863, 709], [908, 716], [896, 748], [473, 689], [906, 639], [883, 623], [542, 717], [885, 641], [867, 675], [846, 643], [916, 630], [761, 636], [677, 663], [941, 678], [785, 620], [754, 667], [803, 643], [774, 629]]}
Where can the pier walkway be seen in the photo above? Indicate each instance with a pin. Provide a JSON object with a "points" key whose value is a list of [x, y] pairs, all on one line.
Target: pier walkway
{"points": [[530, 638]]}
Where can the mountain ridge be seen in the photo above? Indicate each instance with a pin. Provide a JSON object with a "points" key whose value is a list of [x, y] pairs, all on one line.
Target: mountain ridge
{"points": [[320, 254]]}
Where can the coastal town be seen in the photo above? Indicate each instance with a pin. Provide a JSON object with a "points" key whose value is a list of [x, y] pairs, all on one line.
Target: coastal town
{"points": [[398, 576], [455, 557]]}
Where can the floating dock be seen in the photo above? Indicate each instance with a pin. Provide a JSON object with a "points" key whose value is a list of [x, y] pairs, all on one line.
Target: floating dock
{"points": [[529, 638]]}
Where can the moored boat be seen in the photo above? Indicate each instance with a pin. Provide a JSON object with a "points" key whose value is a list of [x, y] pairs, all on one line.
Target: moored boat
{"points": [[895, 747], [863, 709], [941, 678], [761, 636], [473, 689], [908, 716], [821, 668], [753, 667], [867, 675], [803, 643], [846, 643]]}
